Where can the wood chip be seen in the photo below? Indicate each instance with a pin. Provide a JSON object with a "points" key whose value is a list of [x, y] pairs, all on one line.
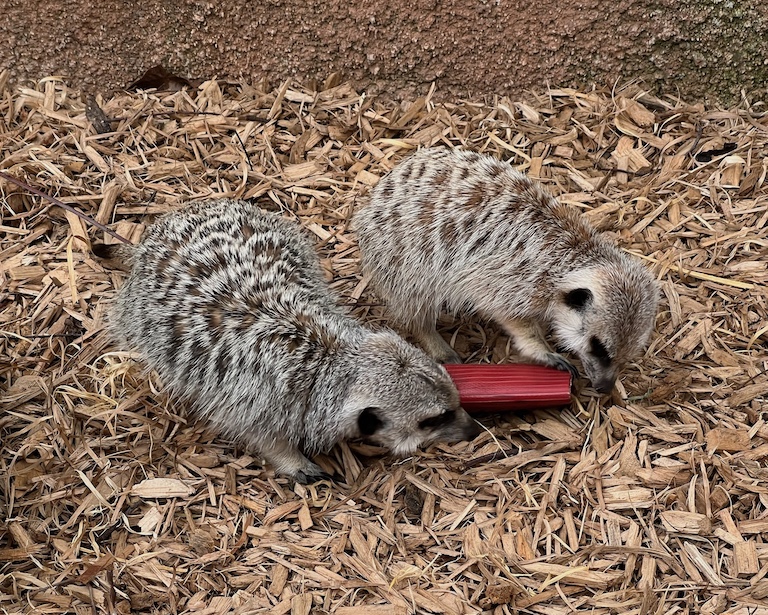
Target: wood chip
{"points": [[685, 522], [572, 575], [162, 488], [730, 440]]}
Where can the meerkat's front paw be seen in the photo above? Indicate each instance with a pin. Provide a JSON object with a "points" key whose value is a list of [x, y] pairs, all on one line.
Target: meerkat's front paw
{"points": [[448, 357], [560, 362], [289, 461], [312, 473], [436, 347]]}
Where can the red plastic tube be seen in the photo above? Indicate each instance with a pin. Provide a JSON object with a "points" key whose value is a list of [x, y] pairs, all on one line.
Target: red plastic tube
{"points": [[499, 388]]}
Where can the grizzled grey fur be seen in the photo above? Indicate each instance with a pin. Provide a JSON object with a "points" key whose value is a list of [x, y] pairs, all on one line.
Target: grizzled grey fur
{"points": [[229, 305], [465, 230]]}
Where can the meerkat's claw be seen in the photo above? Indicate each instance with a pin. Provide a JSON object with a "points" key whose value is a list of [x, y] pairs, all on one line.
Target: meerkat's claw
{"points": [[435, 346], [310, 473], [449, 357], [559, 362]]}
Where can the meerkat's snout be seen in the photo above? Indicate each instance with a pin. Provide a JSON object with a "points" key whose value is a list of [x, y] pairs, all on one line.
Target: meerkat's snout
{"points": [[450, 426], [471, 429], [403, 400], [607, 319], [601, 368], [604, 384], [385, 426]]}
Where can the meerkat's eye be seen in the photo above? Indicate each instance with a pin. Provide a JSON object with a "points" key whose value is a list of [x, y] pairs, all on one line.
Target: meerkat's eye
{"points": [[578, 298], [599, 351], [439, 420], [368, 422]]}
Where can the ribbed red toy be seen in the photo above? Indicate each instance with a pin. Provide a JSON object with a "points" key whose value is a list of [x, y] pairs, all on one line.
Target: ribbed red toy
{"points": [[499, 388]]}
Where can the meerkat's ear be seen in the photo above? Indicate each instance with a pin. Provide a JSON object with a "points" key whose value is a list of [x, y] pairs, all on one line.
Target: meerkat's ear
{"points": [[368, 422], [578, 298]]}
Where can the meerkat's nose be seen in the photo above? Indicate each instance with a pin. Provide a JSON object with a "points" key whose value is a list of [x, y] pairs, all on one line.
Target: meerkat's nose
{"points": [[605, 385], [472, 430]]}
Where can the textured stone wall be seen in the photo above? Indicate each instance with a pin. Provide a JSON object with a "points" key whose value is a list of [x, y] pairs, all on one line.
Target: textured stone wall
{"points": [[701, 48]]}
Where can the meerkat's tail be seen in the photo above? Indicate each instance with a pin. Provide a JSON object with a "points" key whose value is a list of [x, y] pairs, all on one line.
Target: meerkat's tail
{"points": [[119, 255]]}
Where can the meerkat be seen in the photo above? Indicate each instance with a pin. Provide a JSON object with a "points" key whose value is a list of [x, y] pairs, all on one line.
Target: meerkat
{"points": [[465, 230], [229, 306]]}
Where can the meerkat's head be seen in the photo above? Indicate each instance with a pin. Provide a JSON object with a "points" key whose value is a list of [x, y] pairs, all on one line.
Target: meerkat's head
{"points": [[605, 315], [402, 399]]}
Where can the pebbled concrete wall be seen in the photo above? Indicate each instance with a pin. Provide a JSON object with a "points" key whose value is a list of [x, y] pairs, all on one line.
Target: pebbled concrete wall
{"points": [[702, 48]]}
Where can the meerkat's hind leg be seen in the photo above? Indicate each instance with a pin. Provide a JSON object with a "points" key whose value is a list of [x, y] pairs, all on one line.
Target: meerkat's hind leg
{"points": [[530, 342], [289, 461], [423, 329]]}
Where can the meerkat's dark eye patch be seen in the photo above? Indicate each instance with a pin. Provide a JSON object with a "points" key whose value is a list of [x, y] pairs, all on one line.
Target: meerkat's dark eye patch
{"points": [[578, 298], [368, 422], [599, 351], [438, 421]]}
